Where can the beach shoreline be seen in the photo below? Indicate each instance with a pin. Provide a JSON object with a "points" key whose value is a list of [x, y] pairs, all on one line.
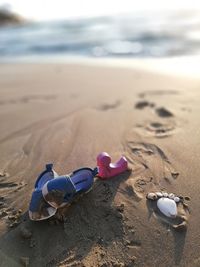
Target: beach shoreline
{"points": [[181, 66]]}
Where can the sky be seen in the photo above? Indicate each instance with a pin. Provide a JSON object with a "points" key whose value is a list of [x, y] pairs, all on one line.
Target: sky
{"points": [[58, 9]]}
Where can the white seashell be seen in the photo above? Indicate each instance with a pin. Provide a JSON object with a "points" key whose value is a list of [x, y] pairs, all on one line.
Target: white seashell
{"points": [[172, 196], [177, 199], [159, 194], [165, 194], [167, 207], [152, 196]]}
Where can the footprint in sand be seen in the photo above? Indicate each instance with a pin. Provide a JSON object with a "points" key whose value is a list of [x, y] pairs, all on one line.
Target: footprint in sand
{"points": [[179, 223], [160, 111], [152, 168], [156, 129], [108, 106], [163, 112], [144, 104], [28, 98]]}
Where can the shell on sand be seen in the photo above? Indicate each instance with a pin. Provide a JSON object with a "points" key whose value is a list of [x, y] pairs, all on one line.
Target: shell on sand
{"points": [[177, 199], [152, 196], [165, 194], [159, 194], [171, 195], [167, 207]]}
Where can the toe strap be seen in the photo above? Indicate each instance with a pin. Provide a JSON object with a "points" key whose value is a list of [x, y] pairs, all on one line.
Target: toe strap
{"points": [[58, 191]]}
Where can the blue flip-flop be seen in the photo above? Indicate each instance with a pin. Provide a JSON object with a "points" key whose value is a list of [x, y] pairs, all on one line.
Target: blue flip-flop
{"points": [[39, 209], [53, 191], [64, 189]]}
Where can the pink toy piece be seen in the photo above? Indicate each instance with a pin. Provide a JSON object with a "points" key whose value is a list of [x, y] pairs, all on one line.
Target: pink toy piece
{"points": [[108, 169]]}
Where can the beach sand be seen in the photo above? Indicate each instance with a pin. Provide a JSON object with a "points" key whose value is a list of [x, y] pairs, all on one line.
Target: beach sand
{"points": [[68, 113]]}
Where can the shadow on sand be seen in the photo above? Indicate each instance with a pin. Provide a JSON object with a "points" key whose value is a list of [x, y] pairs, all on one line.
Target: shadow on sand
{"points": [[178, 235], [94, 221]]}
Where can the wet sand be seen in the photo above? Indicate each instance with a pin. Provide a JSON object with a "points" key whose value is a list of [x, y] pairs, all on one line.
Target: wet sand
{"points": [[68, 113]]}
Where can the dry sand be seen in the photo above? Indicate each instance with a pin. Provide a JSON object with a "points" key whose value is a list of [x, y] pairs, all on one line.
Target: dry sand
{"points": [[67, 114]]}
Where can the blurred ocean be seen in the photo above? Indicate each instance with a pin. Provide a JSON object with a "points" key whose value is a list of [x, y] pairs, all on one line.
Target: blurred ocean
{"points": [[138, 35]]}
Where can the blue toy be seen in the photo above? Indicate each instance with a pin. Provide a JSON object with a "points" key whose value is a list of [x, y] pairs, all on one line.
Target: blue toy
{"points": [[53, 191]]}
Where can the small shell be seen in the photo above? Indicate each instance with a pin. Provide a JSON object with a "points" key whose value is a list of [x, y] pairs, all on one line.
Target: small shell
{"points": [[152, 196], [177, 199], [159, 194], [165, 194], [167, 207], [171, 195]]}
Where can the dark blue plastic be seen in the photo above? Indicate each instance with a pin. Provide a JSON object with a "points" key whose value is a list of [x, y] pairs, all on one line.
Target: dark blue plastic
{"points": [[37, 197], [45, 176], [78, 182], [83, 179], [36, 200], [63, 184]]}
